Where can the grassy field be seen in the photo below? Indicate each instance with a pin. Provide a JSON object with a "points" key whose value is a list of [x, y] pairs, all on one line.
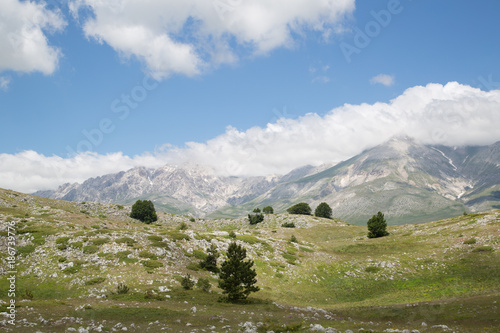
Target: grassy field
{"points": [[73, 258]]}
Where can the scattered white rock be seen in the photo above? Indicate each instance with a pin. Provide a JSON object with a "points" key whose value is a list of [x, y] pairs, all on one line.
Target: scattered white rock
{"points": [[317, 328]]}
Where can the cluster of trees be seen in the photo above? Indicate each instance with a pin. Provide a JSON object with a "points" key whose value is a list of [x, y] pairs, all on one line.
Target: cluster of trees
{"points": [[257, 216], [323, 210]]}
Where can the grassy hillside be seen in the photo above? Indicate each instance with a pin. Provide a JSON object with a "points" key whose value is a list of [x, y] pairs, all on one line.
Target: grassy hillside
{"points": [[72, 257]]}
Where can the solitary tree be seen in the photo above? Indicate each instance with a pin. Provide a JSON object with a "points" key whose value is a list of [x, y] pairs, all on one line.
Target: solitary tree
{"points": [[300, 208], [237, 278], [268, 210], [256, 210], [323, 210], [144, 210], [210, 261], [377, 226]]}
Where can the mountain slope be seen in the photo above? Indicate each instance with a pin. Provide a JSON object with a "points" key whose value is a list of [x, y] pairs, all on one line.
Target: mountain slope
{"points": [[408, 181], [72, 256]]}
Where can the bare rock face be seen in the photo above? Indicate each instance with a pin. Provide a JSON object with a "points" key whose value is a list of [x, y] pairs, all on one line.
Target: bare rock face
{"points": [[408, 181]]}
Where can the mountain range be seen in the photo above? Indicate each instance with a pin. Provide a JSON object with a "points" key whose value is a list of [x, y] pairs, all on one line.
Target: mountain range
{"points": [[408, 181]]}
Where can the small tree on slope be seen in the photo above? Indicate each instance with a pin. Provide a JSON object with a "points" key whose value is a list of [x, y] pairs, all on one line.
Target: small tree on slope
{"points": [[237, 278], [144, 210], [377, 226], [323, 210]]}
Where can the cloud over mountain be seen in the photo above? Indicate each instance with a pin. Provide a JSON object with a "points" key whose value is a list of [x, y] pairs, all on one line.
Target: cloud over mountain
{"points": [[451, 114]]}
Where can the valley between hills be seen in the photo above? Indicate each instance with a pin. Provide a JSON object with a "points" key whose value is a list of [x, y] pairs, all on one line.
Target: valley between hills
{"points": [[72, 256]]}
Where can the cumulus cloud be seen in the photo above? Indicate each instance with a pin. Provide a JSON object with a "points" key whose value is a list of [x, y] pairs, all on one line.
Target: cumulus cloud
{"points": [[4, 83], [29, 171], [451, 114], [23, 39], [188, 36], [385, 79]]}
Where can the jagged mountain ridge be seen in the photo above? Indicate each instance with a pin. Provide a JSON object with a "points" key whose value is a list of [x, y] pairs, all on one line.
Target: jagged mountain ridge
{"points": [[410, 182], [193, 189]]}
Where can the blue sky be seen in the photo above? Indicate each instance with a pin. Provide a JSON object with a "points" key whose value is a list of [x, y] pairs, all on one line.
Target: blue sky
{"points": [[242, 71]]}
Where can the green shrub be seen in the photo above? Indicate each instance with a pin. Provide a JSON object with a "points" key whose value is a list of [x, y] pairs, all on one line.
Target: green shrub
{"points": [[199, 254], [163, 245], [155, 238], [177, 236], [90, 249], [122, 254], [323, 210], [300, 208], [28, 294], [187, 283], [293, 239], [62, 259], [182, 226], [372, 269], [483, 249], [25, 250], [470, 241], [76, 245], [144, 211], [96, 280], [62, 240], [152, 264], [306, 249], [122, 289], [203, 284], [62, 247], [268, 210], [248, 239], [377, 226], [105, 255], [194, 266], [288, 225], [232, 234], [100, 241], [126, 240], [38, 240], [192, 219], [255, 218], [95, 226], [290, 258], [147, 254], [129, 260], [79, 262]]}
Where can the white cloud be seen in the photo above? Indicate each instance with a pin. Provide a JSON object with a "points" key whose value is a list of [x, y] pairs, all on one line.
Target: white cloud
{"points": [[189, 36], [30, 171], [23, 39], [452, 115], [385, 79], [4, 83]]}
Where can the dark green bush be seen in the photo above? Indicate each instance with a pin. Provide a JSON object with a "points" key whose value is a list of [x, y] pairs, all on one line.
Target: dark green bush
{"points": [[300, 208]]}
